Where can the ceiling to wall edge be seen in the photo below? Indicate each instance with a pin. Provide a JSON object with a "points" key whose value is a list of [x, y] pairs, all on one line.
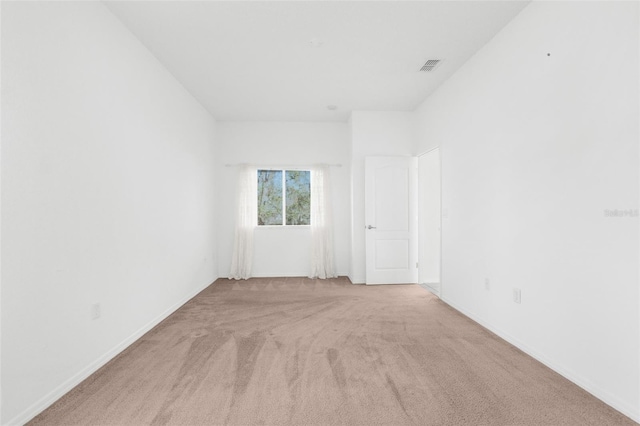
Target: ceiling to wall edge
{"points": [[349, 115]]}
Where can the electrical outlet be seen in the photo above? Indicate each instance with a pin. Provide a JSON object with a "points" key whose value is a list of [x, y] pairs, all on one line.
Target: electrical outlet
{"points": [[487, 284], [516, 295], [95, 311]]}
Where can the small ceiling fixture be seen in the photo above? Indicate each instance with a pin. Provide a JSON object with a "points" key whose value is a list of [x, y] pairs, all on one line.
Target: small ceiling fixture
{"points": [[430, 65], [316, 42], [332, 107]]}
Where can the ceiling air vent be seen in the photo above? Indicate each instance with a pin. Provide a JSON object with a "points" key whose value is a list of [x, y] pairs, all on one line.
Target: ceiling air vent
{"points": [[430, 65]]}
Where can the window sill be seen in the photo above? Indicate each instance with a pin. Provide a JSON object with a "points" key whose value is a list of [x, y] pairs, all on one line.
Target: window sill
{"points": [[287, 227]]}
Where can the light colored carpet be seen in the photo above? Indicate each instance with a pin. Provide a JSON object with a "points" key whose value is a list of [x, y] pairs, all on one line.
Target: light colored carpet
{"points": [[296, 351]]}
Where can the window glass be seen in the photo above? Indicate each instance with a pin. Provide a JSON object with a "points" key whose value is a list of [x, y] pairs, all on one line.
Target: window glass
{"points": [[269, 197], [284, 197], [298, 195]]}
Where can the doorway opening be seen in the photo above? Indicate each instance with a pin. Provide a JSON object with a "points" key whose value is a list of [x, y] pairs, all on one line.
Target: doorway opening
{"points": [[429, 221]]}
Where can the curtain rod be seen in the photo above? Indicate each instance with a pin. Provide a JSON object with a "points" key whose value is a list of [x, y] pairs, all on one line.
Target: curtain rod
{"points": [[282, 166]]}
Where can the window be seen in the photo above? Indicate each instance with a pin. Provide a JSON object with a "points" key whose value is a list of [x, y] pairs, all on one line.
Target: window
{"points": [[284, 197]]}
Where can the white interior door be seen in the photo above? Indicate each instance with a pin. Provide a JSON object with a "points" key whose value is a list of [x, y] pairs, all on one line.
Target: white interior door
{"points": [[429, 220], [391, 220]]}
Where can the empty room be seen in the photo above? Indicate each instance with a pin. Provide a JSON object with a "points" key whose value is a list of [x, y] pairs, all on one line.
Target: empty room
{"points": [[320, 213]]}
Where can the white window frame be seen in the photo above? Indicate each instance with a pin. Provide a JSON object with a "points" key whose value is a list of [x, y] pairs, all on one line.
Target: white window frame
{"points": [[284, 171]]}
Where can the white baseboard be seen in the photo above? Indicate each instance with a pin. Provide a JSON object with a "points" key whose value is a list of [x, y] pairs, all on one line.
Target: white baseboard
{"points": [[279, 274], [433, 288], [625, 408], [286, 274], [357, 280], [75, 380]]}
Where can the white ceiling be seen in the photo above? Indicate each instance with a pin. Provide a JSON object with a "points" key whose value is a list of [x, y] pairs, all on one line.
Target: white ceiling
{"points": [[254, 60]]}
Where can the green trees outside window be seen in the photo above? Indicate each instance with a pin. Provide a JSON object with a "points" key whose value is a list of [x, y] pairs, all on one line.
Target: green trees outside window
{"points": [[298, 198], [270, 197], [284, 191]]}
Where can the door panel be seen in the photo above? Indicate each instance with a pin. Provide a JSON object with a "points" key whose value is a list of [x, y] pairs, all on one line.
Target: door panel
{"points": [[392, 254], [391, 218], [391, 192]]}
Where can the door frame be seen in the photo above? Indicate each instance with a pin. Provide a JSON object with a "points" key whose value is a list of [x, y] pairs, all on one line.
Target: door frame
{"points": [[438, 292]]}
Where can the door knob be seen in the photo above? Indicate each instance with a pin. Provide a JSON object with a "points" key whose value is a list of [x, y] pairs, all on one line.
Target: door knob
{"points": [[371, 227]]}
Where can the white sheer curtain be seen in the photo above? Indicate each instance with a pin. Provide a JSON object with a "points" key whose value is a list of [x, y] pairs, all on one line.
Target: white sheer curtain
{"points": [[246, 221], [322, 256]]}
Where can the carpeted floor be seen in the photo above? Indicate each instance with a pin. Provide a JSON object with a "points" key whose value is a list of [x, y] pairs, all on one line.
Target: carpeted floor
{"points": [[295, 351]]}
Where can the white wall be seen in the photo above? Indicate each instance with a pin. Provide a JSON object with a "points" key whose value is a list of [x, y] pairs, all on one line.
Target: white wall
{"points": [[0, 218], [534, 149], [107, 195], [283, 251], [373, 133]]}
